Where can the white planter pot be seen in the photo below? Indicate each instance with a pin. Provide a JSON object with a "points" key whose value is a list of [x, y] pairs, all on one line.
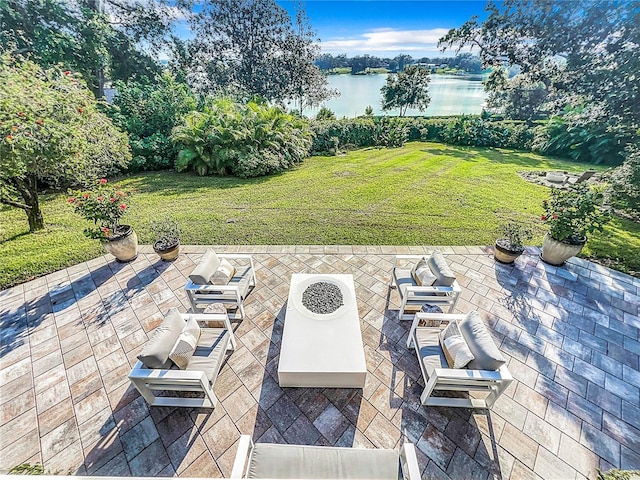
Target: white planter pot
{"points": [[123, 246], [556, 253]]}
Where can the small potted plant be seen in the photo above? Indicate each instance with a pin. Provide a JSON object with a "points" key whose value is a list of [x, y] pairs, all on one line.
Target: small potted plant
{"points": [[571, 215], [511, 245], [167, 238], [104, 205]]}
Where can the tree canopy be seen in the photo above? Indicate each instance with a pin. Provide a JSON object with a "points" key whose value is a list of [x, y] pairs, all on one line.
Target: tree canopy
{"points": [[250, 48], [408, 89], [582, 52], [51, 134], [94, 37]]}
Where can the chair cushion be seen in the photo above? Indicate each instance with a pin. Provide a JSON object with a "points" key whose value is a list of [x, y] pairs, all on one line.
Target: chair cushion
{"points": [[183, 350], [430, 351], [156, 352], [439, 267], [205, 269], [192, 328], [421, 273], [223, 273], [486, 353], [298, 461], [404, 279], [209, 353], [455, 349]]}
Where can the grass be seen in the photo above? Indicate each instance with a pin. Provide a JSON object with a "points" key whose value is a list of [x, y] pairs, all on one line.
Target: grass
{"points": [[422, 194]]}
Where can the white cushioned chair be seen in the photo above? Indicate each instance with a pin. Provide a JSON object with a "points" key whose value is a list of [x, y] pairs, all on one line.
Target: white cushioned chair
{"points": [[203, 289], [486, 373], [275, 461], [442, 288], [157, 372]]}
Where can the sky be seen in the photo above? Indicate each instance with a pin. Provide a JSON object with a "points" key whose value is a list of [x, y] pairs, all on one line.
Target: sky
{"points": [[386, 28], [383, 28]]}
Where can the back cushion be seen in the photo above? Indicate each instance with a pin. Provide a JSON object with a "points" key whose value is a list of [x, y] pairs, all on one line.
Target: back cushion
{"points": [[205, 269], [223, 273], [156, 351], [439, 267], [486, 353], [422, 273]]}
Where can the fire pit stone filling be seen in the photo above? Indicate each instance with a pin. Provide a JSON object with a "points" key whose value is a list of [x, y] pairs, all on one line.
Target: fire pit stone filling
{"points": [[322, 298]]}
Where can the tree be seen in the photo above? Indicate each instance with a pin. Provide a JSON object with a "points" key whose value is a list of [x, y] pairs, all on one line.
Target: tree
{"points": [[305, 84], [584, 52], [402, 61], [94, 37], [148, 112], [241, 49], [51, 133], [408, 89]]}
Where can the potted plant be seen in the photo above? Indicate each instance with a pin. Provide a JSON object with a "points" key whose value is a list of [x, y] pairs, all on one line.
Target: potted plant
{"points": [[511, 245], [105, 205], [167, 238], [571, 215]]}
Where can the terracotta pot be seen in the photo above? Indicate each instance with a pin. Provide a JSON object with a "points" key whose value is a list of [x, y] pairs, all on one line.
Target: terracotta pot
{"points": [[556, 253], [506, 255], [123, 245], [167, 254]]}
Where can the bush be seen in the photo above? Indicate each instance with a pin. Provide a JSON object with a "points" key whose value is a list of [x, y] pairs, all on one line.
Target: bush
{"points": [[246, 140], [624, 188], [574, 135], [148, 112], [461, 130]]}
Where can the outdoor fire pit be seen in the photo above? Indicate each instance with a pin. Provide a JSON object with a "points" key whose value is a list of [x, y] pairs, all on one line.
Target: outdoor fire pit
{"points": [[321, 341]]}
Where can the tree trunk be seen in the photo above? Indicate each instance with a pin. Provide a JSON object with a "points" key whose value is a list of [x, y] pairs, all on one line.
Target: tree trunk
{"points": [[28, 189]]}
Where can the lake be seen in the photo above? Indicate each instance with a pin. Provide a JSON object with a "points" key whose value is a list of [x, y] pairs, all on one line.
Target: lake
{"points": [[450, 95]]}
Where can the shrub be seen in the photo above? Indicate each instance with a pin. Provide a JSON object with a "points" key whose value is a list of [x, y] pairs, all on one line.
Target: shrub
{"points": [[624, 189], [572, 214], [104, 205], [576, 136], [148, 112], [247, 140]]}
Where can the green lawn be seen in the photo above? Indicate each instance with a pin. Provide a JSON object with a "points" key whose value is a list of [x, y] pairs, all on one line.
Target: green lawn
{"points": [[422, 194]]}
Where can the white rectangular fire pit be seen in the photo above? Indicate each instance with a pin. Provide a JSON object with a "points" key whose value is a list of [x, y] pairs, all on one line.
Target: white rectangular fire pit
{"points": [[322, 349]]}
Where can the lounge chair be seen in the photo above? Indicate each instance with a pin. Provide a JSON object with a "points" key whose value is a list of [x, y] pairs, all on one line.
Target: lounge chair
{"points": [[424, 280], [486, 371], [164, 366], [582, 178], [273, 461], [206, 285]]}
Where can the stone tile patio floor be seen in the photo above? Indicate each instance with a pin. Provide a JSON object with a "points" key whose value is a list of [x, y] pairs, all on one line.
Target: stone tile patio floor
{"points": [[571, 336]]}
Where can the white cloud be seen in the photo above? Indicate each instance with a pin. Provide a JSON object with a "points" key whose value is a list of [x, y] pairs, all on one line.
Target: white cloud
{"points": [[387, 41]]}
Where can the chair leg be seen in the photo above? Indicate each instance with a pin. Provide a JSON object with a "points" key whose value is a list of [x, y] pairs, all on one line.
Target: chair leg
{"points": [[428, 390], [146, 393]]}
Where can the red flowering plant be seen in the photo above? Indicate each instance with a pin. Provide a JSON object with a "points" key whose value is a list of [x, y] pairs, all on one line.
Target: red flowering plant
{"points": [[104, 205], [574, 213]]}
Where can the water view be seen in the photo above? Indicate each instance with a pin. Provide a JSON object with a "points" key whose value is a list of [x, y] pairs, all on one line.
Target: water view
{"points": [[450, 95]]}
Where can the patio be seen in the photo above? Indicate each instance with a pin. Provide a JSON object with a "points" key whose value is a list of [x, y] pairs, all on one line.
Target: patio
{"points": [[571, 336]]}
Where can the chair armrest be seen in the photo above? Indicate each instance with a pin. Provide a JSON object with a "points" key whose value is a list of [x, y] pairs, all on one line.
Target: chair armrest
{"points": [[406, 257], [214, 288], [462, 373], [243, 454], [139, 371], [442, 318], [447, 317], [409, 462], [429, 289]]}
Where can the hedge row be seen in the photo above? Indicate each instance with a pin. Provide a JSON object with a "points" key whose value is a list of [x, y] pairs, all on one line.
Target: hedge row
{"points": [[333, 135]]}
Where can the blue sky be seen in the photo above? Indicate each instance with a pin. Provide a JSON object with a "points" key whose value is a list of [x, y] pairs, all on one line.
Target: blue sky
{"points": [[386, 28], [383, 28]]}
